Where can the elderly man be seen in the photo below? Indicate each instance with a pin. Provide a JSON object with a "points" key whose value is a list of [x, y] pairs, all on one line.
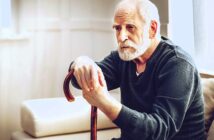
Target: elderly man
{"points": [[160, 87]]}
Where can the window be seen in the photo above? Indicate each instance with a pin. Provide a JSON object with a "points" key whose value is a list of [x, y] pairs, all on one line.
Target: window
{"points": [[181, 30], [5, 17], [203, 33], [191, 26], [9, 28]]}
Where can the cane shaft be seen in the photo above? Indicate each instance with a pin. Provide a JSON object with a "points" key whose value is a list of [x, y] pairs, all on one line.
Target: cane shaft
{"points": [[93, 123], [70, 98]]}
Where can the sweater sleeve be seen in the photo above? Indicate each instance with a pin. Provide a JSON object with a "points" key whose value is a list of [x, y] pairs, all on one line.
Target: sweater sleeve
{"points": [[176, 84]]}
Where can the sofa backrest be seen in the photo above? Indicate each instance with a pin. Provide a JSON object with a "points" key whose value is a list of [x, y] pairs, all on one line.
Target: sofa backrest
{"points": [[208, 93]]}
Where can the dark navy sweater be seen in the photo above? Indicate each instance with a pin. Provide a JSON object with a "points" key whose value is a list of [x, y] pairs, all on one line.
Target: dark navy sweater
{"points": [[162, 103]]}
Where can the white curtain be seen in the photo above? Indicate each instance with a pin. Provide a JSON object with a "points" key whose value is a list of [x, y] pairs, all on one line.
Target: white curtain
{"points": [[203, 33]]}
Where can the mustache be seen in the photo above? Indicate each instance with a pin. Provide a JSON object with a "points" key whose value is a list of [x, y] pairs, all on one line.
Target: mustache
{"points": [[127, 44]]}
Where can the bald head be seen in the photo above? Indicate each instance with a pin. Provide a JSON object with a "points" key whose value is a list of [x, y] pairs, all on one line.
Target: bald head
{"points": [[145, 9], [136, 24]]}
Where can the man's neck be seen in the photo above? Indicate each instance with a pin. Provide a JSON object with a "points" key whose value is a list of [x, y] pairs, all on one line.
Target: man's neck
{"points": [[142, 60]]}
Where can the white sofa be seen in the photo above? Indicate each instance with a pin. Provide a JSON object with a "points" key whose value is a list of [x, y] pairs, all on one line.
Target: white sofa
{"points": [[57, 119]]}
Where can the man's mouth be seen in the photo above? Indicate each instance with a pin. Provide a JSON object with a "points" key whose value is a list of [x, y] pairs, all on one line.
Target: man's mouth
{"points": [[125, 47]]}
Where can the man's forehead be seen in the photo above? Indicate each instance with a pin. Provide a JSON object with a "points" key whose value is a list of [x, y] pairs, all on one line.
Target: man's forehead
{"points": [[123, 14], [129, 16], [126, 9]]}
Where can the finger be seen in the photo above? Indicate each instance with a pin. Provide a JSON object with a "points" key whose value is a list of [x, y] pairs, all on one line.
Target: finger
{"points": [[83, 80], [76, 74], [94, 77], [87, 76], [101, 78], [90, 83]]}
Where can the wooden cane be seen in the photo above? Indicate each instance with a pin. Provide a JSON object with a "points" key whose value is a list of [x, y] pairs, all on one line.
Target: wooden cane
{"points": [[70, 98]]}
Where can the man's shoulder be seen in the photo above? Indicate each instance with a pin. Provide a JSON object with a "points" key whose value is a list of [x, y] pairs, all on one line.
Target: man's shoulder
{"points": [[174, 52]]}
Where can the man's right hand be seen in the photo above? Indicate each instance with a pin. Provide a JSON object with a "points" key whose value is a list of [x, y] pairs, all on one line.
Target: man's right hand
{"points": [[91, 79], [86, 73]]}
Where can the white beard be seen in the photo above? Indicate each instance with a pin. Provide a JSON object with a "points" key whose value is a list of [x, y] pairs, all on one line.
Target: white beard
{"points": [[128, 55]]}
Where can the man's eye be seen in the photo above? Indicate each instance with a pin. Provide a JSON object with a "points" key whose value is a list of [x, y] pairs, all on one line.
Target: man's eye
{"points": [[130, 27], [117, 28]]}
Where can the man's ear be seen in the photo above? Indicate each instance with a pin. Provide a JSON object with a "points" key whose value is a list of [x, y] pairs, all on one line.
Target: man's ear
{"points": [[153, 29]]}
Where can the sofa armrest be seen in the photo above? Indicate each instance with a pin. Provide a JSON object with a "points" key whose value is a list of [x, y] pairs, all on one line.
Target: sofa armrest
{"points": [[53, 116], [210, 134]]}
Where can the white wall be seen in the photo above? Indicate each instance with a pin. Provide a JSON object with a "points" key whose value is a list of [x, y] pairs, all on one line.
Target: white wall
{"points": [[57, 32], [163, 9]]}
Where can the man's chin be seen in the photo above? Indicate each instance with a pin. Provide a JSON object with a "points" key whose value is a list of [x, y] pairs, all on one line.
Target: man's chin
{"points": [[127, 57]]}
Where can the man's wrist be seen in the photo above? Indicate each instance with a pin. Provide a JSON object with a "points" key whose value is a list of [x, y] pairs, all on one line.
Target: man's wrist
{"points": [[111, 108]]}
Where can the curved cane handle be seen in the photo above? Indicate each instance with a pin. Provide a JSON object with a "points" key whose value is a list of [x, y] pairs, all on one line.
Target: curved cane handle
{"points": [[70, 98], [66, 89]]}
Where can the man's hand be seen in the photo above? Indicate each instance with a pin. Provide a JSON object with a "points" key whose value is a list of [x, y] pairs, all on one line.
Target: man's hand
{"points": [[101, 98], [99, 94], [86, 73], [91, 79]]}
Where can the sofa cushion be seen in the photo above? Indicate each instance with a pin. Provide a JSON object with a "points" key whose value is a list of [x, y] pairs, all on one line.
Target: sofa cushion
{"points": [[53, 116], [208, 92], [106, 134]]}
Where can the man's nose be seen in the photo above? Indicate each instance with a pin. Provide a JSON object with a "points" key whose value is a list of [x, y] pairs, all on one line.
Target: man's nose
{"points": [[123, 36]]}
